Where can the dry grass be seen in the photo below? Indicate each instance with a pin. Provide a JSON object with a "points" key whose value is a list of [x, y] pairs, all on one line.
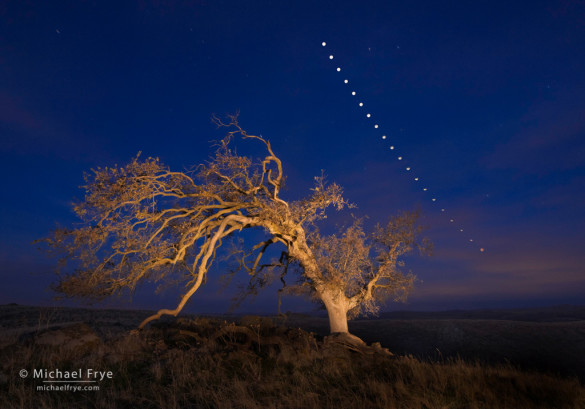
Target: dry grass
{"points": [[206, 363]]}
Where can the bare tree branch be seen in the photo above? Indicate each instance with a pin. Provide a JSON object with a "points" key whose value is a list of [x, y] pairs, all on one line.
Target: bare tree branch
{"points": [[144, 222]]}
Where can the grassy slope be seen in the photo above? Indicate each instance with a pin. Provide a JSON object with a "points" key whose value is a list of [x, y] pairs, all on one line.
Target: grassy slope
{"points": [[164, 368]]}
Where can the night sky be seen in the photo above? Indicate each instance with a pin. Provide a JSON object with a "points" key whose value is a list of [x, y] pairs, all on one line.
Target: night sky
{"points": [[483, 100]]}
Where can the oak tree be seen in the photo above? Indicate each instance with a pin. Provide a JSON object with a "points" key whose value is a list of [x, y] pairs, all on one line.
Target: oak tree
{"points": [[144, 222]]}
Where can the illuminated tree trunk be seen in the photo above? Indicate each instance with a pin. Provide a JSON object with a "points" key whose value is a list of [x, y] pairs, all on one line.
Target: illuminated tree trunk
{"points": [[334, 299], [337, 310]]}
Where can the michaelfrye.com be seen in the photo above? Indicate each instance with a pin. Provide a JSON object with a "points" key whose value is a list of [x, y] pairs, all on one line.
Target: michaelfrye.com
{"points": [[75, 380]]}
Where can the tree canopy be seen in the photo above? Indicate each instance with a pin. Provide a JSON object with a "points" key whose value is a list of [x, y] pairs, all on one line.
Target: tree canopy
{"points": [[144, 222]]}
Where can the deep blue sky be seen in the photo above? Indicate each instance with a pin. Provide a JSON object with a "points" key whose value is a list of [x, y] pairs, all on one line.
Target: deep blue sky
{"points": [[484, 100]]}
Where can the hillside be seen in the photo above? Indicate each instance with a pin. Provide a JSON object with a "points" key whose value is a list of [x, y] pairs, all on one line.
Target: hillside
{"points": [[290, 362]]}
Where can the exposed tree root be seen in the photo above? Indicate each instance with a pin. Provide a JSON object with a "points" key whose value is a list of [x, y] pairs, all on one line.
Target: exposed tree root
{"points": [[353, 343]]}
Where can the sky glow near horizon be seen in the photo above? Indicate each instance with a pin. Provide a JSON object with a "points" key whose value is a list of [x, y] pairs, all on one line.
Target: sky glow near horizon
{"points": [[482, 102]]}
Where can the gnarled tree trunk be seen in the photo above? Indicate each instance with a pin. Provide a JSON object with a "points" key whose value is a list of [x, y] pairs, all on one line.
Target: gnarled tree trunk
{"points": [[336, 303], [337, 310]]}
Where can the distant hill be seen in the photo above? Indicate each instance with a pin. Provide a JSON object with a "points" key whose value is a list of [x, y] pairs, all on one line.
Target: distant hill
{"points": [[544, 339], [561, 313]]}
